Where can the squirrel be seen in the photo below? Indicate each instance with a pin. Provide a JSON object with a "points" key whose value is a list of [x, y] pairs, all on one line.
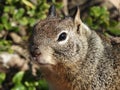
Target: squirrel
{"points": [[71, 56]]}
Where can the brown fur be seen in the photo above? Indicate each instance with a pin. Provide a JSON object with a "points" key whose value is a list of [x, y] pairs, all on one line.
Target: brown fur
{"points": [[86, 61]]}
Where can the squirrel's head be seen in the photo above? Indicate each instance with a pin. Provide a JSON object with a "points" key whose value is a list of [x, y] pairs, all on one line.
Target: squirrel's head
{"points": [[59, 40]]}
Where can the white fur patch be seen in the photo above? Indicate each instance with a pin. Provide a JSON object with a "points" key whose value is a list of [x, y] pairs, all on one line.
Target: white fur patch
{"points": [[46, 58]]}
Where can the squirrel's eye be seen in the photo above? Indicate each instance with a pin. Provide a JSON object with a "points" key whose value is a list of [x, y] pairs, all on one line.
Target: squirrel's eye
{"points": [[62, 36]]}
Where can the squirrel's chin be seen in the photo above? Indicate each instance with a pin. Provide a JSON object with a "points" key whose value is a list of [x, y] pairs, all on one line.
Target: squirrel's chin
{"points": [[46, 64]]}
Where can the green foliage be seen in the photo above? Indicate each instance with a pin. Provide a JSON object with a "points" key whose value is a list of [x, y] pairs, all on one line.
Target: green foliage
{"points": [[18, 78], [57, 5], [99, 18], [22, 13], [25, 81], [2, 78], [34, 83], [5, 45], [114, 28], [17, 13], [19, 87], [14, 15]]}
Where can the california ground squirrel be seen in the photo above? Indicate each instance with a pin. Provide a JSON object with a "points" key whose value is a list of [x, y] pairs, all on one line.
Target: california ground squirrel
{"points": [[73, 57]]}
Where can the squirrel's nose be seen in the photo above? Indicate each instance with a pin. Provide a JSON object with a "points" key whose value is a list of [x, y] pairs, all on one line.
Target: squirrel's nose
{"points": [[35, 52]]}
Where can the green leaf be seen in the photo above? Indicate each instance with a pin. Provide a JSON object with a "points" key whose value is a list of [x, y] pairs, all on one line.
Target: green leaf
{"points": [[19, 87], [15, 29], [31, 88], [89, 21], [43, 85], [103, 10], [31, 12], [95, 27], [53, 1], [9, 1], [6, 24], [115, 30], [18, 77], [59, 5], [6, 9], [32, 21], [23, 21], [113, 23], [29, 83], [12, 9], [95, 11], [9, 9], [100, 17], [1, 27], [29, 4], [5, 45], [19, 13], [4, 19], [2, 77]]}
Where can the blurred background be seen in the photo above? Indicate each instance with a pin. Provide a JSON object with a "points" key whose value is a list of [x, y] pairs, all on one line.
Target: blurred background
{"points": [[17, 18]]}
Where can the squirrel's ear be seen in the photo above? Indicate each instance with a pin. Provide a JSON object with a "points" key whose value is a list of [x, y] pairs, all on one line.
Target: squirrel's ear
{"points": [[52, 11], [81, 27], [77, 19]]}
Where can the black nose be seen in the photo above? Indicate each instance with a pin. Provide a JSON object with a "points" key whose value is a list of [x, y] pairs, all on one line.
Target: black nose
{"points": [[35, 51]]}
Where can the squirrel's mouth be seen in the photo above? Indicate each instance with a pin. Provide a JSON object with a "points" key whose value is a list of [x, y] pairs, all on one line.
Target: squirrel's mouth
{"points": [[42, 60], [39, 61]]}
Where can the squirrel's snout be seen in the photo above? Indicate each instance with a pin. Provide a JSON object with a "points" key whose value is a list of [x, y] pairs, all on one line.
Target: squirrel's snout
{"points": [[42, 55], [35, 52]]}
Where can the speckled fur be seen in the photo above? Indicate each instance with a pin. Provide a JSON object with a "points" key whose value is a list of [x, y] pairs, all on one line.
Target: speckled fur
{"points": [[85, 62]]}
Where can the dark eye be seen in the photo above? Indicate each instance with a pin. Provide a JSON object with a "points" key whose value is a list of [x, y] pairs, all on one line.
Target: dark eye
{"points": [[62, 36]]}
